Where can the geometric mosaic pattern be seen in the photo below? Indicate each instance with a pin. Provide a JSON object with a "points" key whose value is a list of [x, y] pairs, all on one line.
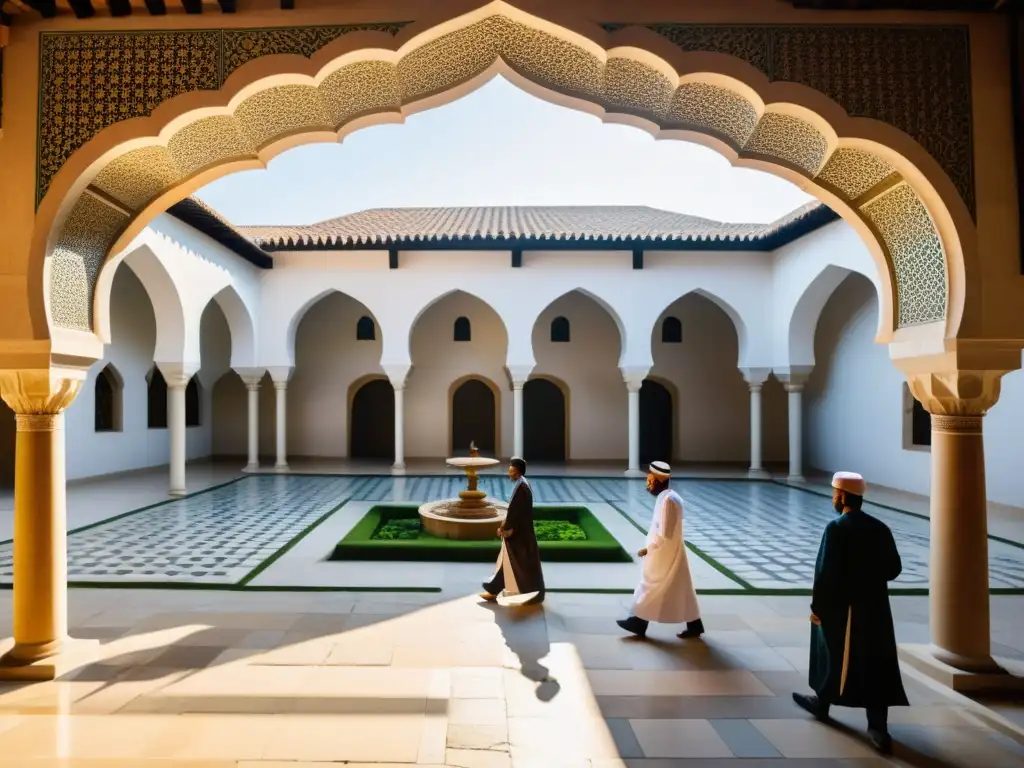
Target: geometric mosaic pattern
{"points": [[216, 537], [765, 534], [166, 64]]}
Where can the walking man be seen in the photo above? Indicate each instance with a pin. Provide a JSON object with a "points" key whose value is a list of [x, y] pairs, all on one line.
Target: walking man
{"points": [[853, 641], [665, 593], [518, 574]]}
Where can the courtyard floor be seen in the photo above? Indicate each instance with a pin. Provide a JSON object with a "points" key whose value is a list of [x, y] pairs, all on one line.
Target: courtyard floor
{"points": [[263, 654]]}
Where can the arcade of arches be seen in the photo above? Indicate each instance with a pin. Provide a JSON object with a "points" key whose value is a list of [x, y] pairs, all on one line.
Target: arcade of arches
{"points": [[928, 211]]}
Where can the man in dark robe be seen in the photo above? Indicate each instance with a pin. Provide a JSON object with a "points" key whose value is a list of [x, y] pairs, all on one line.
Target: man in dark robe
{"points": [[853, 642], [518, 575]]}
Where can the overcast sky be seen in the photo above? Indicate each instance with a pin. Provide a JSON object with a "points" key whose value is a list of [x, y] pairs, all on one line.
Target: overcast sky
{"points": [[499, 146]]}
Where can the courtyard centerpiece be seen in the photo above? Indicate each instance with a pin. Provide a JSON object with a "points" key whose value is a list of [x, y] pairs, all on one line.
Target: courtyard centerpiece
{"points": [[472, 516], [397, 532]]}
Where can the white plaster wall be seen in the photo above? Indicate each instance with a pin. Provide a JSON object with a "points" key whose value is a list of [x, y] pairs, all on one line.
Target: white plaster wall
{"points": [[133, 336], [711, 399], [589, 367], [439, 361], [854, 406]]}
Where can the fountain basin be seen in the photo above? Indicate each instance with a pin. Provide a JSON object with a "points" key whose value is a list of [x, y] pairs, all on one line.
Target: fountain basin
{"points": [[472, 516]]}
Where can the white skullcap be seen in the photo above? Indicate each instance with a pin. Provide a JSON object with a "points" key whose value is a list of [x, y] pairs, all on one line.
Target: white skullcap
{"points": [[850, 482], [660, 469]]}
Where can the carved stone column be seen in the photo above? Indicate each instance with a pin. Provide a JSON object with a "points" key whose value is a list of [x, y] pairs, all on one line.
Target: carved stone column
{"points": [[518, 376], [252, 377], [634, 379], [38, 399], [756, 377], [280, 375], [177, 376], [398, 376], [959, 581]]}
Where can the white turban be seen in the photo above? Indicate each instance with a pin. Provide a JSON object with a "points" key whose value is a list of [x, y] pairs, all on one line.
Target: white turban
{"points": [[850, 482], [660, 469]]}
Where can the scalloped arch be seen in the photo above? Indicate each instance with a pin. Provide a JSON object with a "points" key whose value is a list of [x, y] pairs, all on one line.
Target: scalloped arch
{"points": [[882, 182]]}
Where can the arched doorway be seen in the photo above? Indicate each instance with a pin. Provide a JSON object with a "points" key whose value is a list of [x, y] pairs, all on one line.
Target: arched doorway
{"points": [[372, 423], [657, 419], [543, 421], [474, 417]]}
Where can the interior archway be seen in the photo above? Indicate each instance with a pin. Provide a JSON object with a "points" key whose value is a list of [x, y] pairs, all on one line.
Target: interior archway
{"points": [[474, 417], [886, 186], [545, 423], [372, 423]]}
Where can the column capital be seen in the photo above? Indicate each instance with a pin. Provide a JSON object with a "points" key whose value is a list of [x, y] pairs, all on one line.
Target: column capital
{"points": [[42, 391], [397, 373], [178, 375], [281, 374], [793, 376], [519, 373], [953, 395], [251, 376], [634, 375], [756, 377]]}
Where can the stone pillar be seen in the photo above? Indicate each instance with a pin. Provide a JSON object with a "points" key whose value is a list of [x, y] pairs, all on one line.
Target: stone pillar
{"points": [[280, 376], [177, 376], [756, 378], [38, 399], [253, 377], [634, 379], [398, 376], [959, 578], [796, 431], [518, 376]]}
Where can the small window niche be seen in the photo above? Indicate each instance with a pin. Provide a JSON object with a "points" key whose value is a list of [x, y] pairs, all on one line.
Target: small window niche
{"points": [[671, 331], [463, 331], [366, 330], [108, 405], [560, 330]]}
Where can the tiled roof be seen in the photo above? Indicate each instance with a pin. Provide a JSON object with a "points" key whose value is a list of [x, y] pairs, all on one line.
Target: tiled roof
{"points": [[410, 226]]}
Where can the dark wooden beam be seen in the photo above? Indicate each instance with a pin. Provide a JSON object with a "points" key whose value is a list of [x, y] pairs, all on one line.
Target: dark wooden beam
{"points": [[287, 5], [517, 258], [119, 8], [82, 9], [45, 8], [393, 258], [156, 7], [228, 6], [638, 258], [192, 6]]}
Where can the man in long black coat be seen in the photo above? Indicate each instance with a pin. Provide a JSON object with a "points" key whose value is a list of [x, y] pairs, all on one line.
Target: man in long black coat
{"points": [[518, 573], [854, 662]]}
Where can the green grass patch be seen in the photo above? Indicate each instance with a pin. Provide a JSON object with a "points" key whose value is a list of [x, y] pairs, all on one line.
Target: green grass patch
{"points": [[394, 532]]}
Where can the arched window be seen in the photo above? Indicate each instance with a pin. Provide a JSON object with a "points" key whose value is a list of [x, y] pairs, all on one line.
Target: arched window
{"points": [[917, 423], [365, 329], [671, 331], [108, 401], [156, 397], [192, 403], [462, 329], [560, 329]]}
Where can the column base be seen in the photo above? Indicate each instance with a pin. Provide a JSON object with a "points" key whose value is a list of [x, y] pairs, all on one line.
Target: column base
{"points": [[398, 468], [251, 467], [177, 492], [72, 655], [282, 467], [990, 677], [796, 479], [635, 473], [759, 474]]}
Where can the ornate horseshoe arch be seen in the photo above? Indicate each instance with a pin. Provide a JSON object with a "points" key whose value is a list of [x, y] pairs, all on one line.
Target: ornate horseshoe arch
{"points": [[881, 181]]}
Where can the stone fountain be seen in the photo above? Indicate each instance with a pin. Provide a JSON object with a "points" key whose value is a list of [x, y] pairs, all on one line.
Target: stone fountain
{"points": [[472, 516]]}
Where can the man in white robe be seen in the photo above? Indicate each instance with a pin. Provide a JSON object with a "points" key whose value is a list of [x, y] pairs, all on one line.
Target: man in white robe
{"points": [[665, 593]]}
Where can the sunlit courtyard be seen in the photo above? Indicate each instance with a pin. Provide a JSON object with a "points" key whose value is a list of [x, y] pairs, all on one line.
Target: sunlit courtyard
{"points": [[242, 645]]}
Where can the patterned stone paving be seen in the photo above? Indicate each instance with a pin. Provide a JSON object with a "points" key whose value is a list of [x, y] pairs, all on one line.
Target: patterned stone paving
{"points": [[765, 534]]}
